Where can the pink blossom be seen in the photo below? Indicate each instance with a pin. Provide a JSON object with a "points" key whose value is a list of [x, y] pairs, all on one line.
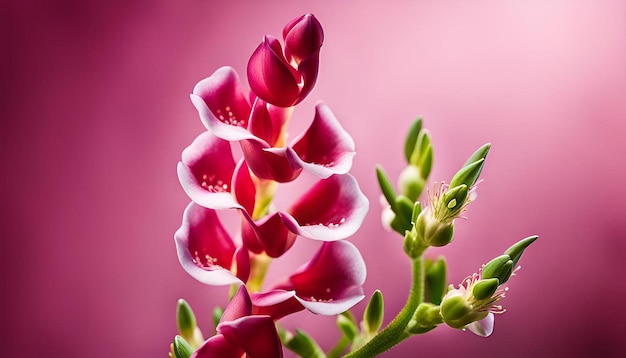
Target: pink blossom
{"points": [[239, 332], [285, 78], [207, 252], [329, 284]]}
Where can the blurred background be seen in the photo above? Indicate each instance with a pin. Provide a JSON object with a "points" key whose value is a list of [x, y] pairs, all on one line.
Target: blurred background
{"points": [[95, 113]]}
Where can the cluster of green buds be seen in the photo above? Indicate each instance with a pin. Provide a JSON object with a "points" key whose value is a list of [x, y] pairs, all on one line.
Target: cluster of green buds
{"points": [[473, 304], [435, 224]]}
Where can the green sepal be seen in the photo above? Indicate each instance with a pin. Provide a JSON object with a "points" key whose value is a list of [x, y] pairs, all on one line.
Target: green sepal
{"points": [[516, 251], [404, 210], [347, 325], [480, 153], [185, 319], [411, 138], [485, 288], [374, 313], [217, 315], [386, 187], [182, 349], [500, 267], [436, 279], [425, 162], [417, 209], [468, 174], [303, 345]]}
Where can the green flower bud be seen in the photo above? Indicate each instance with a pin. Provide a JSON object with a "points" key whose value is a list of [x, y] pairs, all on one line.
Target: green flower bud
{"points": [[305, 346], [457, 312], [217, 315], [516, 251], [452, 202], [468, 174], [480, 153], [436, 279], [433, 232], [485, 288], [410, 182], [386, 187], [185, 320], [347, 325], [500, 267], [181, 348], [374, 313], [411, 139]]}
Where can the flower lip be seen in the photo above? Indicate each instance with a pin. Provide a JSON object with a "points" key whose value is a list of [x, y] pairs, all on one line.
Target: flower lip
{"points": [[325, 148], [221, 102], [332, 209], [331, 282], [206, 170], [204, 248]]}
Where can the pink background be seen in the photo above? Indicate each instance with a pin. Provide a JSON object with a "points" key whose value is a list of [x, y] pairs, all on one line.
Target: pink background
{"points": [[95, 113]]}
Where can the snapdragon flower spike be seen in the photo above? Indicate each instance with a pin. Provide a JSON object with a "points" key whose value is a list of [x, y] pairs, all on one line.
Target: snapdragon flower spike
{"points": [[285, 78], [207, 252], [239, 333], [206, 171], [329, 284]]}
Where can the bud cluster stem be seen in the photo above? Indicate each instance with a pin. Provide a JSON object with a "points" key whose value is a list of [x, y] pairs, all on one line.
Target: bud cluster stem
{"points": [[393, 333]]}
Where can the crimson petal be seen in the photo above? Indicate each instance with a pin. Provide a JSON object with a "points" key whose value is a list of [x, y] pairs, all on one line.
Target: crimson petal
{"points": [[271, 233], [218, 347], [270, 76], [303, 36], [222, 105], [331, 282], [268, 163], [332, 209], [239, 306], [256, 335], [325, 148], [205, 250], [275, 303], [206, 171]]}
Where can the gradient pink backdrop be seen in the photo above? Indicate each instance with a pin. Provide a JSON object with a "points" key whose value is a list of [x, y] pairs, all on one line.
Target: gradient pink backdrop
{"points": [[95, 113]]}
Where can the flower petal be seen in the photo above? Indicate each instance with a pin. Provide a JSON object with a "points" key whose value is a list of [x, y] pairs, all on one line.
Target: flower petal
{"points": [[218, 347], [239, 306], [332, 209], [271, 233], [275, 303], [303, 36], [205, 250], [484, 327], [270, 76], [243, 188], [268, 163], [206, 171], [255, 334], [331, 282], [222, 105], [267, 122], [325, 148]]}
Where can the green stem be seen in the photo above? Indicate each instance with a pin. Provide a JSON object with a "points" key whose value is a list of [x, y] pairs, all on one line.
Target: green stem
{"points": [[394, 332]]}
